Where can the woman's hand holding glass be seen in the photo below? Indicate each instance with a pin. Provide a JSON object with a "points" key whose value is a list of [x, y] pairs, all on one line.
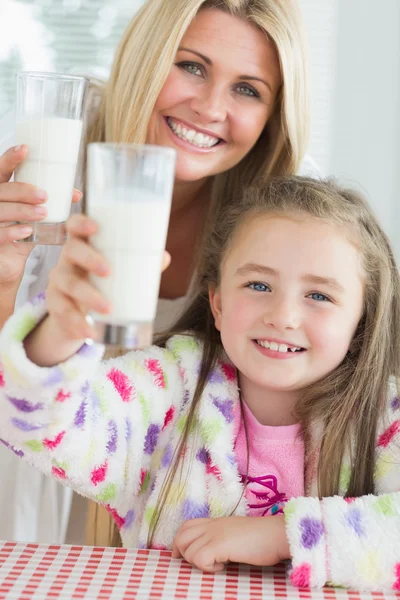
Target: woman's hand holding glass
{"points": [[18, 202]]}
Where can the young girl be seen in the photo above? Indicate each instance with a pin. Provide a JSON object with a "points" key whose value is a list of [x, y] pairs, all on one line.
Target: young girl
{"points": [[275, 385]]}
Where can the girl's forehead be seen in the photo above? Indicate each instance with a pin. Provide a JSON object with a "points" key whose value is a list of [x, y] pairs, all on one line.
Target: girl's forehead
{"points": [[293, 238]]}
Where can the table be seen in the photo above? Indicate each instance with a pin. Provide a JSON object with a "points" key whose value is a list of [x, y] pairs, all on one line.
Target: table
{"points": [[40, 571]]}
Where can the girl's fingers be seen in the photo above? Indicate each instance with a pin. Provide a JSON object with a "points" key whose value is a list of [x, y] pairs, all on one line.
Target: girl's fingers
{"points": [[10, 160], [71, 319], [79, 253], [70, 283], [81, 226]]}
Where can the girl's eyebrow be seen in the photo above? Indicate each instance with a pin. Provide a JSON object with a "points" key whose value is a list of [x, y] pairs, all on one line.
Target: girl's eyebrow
{"points": [[264, 270], [208, 61]]}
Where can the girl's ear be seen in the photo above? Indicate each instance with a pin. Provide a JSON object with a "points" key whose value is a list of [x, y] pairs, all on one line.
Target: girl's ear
{"points": [[214, 297]]}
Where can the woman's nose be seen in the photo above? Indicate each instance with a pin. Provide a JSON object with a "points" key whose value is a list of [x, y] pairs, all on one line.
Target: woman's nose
{"points": [[211, 105]]}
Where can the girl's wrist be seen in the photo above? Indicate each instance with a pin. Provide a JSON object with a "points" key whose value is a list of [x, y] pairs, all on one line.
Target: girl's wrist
{"points": [[47, 345], [283, 547]]}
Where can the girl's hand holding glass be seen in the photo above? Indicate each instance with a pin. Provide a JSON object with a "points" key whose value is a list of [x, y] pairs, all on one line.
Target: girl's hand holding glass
{"points": [[71, 295], [18, 202], [211, 543]]}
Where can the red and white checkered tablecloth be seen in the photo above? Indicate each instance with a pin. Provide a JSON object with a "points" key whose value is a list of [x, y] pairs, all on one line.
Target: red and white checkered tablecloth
{"points": [[32, 571]]}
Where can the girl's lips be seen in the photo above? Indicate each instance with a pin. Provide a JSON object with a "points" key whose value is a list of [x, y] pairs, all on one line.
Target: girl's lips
{"points": [[188, 146], [276, 354]]}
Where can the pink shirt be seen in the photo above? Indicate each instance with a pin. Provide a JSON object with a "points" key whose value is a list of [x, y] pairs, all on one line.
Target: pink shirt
{"points": [[276, 465]]}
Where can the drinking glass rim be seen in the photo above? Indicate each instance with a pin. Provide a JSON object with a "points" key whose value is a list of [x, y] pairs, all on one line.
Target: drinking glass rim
{"points": [[139, 147], [51, 75]]}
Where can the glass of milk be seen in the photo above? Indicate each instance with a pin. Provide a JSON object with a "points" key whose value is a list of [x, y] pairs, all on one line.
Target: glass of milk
{"points": [[129, 192], [49, 121]]}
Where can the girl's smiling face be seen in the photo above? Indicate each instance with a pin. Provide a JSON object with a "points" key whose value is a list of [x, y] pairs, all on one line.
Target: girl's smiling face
{"points": [[289, 301], [218, 96]]}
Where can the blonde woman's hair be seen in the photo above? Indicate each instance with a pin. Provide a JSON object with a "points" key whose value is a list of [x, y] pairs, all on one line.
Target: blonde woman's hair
{"points": [[350, 401], [146, 55]]}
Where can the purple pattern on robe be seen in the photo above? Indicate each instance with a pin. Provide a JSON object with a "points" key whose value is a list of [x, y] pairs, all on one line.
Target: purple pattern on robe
{"points": [[203, 456], [167, 456], [79, 420], [128, 430], [38, 299], [151, 439], [25, 406], [129, 519], [194, 510], [112, 441], [24, 426], [87, 351], [17, 452], [313, 531], [96, 407], [54, 376], [225, 407], [354, 520], [215, 376], [85, 389], [395, 403], [232, 460]]}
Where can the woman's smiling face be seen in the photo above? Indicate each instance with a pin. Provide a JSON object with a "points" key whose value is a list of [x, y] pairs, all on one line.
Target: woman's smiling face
{"points": [[218, 97]]}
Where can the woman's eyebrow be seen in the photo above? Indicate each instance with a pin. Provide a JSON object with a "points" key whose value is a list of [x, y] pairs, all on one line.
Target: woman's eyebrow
{"points": [[208, 61], [205, 58]]}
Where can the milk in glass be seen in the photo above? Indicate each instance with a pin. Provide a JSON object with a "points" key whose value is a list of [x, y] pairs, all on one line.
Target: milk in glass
{"points": [[53, 147], [131, 235]]}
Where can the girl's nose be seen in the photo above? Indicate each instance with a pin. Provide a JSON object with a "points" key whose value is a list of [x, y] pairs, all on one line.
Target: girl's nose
{"points": [[283, 315]]}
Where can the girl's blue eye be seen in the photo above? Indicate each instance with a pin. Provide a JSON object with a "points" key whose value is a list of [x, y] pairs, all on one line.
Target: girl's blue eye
{"points": [[319, 297], [190, 67], [257, 286]]}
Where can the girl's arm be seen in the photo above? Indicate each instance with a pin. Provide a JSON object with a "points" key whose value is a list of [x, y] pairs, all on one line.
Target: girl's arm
{"points": [[353, 542], [92, 425]]}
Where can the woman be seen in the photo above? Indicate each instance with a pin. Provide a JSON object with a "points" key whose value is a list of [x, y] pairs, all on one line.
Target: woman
{"points": [[223, 82]]}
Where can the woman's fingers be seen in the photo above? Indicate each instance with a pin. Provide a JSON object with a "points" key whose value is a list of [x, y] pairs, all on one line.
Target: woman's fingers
{"points": [[10, 160], [13, 211], [76, 195], [14, 233]]}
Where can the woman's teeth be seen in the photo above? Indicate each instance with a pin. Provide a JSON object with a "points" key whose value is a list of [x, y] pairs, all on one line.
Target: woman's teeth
{"points": [[278, 347], [193, 137]]}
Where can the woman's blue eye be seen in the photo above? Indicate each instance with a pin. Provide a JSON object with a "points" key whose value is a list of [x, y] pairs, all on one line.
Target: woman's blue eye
{"points": [[246, 90], [257, 286], [319, 297], [190, 67]]}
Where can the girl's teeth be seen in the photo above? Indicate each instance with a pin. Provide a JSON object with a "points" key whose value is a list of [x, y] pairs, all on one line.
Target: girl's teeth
{"points": [[192, 136], [277, 347]]}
